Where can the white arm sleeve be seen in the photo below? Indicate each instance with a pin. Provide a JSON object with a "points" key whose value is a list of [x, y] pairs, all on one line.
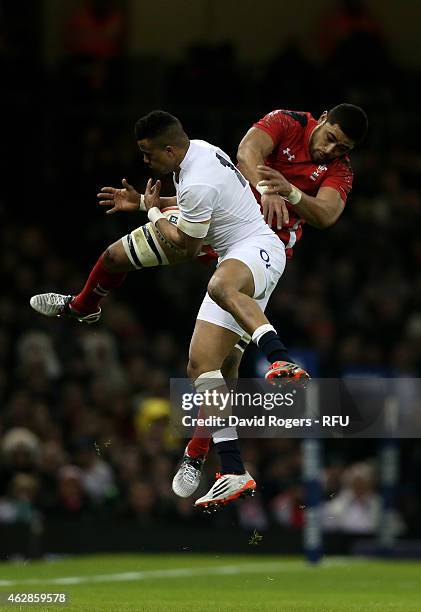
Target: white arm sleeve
{"points": [[196, 204]]}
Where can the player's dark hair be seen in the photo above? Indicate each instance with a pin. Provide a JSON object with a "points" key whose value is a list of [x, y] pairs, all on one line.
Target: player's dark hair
{"points": [[162, 126], [351, 119]]}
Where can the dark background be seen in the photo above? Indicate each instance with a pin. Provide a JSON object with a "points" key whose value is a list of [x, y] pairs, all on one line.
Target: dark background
{"points": [[83, 413]]}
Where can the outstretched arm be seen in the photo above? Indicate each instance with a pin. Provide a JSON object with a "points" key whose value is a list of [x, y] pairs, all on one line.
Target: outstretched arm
{"points": [[127, 199]]}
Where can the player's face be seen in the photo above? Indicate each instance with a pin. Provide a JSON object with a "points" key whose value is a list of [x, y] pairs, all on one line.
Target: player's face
{"points": [[158, 158], [328, 142]]}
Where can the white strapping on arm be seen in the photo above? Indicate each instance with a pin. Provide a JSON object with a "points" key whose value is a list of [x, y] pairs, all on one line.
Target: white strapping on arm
{"points": [[142, 206], [154, 214], [262, 188], [194, 230], [294, 195]]}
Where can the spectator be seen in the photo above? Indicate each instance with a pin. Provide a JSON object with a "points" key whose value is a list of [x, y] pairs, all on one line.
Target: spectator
{"points": [[20, 502], [288, 507], [36, 351], [356, 508], [95, 30], [71, 497], [142, 502], [20, 449], [96, 474]]}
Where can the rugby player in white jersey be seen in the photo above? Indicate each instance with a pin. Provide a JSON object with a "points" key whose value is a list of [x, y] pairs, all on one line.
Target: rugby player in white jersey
{"points": [[216, 206]]}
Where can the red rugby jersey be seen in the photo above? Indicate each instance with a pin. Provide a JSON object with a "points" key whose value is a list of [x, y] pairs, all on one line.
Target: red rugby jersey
{"points": [[290, 132]]}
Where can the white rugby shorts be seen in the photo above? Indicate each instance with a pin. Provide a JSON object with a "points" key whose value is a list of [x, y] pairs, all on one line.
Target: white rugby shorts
{"points": [[265, 256]]}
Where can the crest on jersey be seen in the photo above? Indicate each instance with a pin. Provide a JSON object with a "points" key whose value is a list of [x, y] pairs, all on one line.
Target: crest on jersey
{"points": [[315, 175]]}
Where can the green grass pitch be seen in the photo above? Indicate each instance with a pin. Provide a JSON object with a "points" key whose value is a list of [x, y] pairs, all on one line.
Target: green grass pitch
{"points": [[196, 583]]}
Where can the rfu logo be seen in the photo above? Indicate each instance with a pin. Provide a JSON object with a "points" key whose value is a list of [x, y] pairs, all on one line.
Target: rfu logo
{"points": [[315, 175], [288, 153]]}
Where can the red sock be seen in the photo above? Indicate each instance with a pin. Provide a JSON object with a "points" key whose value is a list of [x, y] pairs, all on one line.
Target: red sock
{"points": [[99, 284], [199, 444]]}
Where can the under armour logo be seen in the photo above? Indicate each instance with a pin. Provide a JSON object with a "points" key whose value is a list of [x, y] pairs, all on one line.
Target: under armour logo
{"points": [[287, 152]]}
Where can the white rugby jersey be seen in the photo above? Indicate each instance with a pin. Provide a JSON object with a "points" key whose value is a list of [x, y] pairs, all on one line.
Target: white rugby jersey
{"points": [[210, 187]]}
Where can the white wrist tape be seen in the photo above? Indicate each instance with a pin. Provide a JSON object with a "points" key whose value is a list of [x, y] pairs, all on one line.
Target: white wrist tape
{"points": [[154, 214], [195, 230], [262, 188], [294, 195], [142, 206]]}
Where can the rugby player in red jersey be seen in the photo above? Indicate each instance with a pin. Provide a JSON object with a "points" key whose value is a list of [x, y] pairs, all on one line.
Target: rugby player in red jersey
{"points": [[299, 167], [299, 170]]}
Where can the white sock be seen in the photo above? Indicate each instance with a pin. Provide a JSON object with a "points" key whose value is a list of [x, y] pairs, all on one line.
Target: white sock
{"points": [[224, 435], [261, 331]]}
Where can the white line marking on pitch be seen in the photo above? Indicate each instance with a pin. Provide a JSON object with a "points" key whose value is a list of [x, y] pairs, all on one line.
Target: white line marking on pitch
{"points": [[186, 572], [182, 572]]}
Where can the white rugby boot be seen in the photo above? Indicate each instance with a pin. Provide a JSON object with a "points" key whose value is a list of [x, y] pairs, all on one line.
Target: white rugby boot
{"points": [[57, 305], [187, 478], [227, 488]]}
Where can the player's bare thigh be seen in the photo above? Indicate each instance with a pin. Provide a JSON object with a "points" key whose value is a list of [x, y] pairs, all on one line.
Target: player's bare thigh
{"points": [[231, 364], [209, 347], [231, 274]]}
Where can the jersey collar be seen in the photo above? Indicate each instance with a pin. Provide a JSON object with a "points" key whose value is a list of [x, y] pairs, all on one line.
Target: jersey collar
{"points": [[185, 162], [311, 125], [187, 159]]}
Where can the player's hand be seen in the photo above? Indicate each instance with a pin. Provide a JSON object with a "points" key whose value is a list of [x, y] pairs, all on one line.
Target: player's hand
{"points": [[273, 179], [127, 199], [273, 204], [152, 192]]}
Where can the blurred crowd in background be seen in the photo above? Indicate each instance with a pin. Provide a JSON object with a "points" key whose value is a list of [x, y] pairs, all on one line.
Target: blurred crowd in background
{"points": [[84, 410]]}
